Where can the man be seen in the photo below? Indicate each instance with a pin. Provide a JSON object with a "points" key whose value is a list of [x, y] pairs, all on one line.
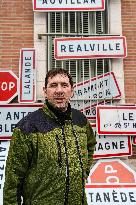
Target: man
{"points": [[51, 150]]}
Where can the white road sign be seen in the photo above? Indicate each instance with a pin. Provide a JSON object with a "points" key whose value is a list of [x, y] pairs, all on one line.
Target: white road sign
{"points": [[111, 146], [68, 5], [11, 114], [111, 194], [90, 47], [101, 87], [115, 120], [4, 147], [27, 76], [111, 181]]}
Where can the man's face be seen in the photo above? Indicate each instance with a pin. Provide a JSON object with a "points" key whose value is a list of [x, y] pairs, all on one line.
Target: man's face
{"points": [[59, 91]]}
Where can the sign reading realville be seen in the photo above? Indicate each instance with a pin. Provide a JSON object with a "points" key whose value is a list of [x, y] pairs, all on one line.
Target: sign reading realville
{"points": [[68, 5], [90, 47]]}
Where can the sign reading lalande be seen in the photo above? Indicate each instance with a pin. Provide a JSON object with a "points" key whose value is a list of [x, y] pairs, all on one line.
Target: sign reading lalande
{"points": [[90, 47], [27, 91], [68, 5]]}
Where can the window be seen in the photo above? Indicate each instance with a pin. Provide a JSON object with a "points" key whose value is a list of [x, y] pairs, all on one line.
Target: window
{"points": [[79, 24], [73, 24]]}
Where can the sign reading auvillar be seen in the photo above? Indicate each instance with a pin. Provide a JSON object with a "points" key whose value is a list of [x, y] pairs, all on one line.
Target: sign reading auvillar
{"points": [[68, 5], [90, 47]]}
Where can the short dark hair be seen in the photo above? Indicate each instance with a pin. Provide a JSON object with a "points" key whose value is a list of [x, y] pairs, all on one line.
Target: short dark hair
{"points": [[56, 71]]}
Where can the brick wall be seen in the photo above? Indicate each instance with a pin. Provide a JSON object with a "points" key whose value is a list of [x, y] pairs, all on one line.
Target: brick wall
{"points": [[129, 30], [16, 31]]}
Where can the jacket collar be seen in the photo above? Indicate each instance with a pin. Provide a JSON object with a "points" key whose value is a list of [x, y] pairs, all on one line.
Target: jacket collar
{"points": [[56, 113]]}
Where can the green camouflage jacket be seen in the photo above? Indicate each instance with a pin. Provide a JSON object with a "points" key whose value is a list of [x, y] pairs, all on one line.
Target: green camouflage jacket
{"points": [[48, 160]]}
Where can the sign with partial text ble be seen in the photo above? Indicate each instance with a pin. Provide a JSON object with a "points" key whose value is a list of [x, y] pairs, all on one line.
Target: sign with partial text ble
{"points": [[11, 114]]}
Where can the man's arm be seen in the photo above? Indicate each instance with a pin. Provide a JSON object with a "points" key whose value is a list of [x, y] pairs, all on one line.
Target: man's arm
{"points": [[91, 142], [16, 166]]}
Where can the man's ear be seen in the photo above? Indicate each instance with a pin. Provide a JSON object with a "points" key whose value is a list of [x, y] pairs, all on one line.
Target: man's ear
{"points": [[45, 91], [72, 92]]}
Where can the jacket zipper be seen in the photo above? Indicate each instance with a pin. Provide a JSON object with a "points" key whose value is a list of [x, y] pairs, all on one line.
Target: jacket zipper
{"points": [[81, 163], [67, 168], [59, 151]]}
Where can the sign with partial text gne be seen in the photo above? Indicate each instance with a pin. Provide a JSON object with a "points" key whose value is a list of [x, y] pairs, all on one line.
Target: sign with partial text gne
{"points": [[110, 146]]}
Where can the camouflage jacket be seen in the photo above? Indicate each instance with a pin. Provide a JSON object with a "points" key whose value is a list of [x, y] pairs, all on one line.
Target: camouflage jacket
{"points": [[48, 160]]}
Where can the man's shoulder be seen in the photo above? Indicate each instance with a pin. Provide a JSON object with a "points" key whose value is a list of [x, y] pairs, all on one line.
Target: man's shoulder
{"points": [[78, 117], [27, 124], [33, 116]]}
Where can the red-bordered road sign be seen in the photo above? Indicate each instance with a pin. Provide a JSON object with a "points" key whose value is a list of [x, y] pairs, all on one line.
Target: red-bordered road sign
{"points": [[116, 120], [111, 171], [110, 146], [97, 88], [111, 194], [90, 47], [111, 182], [68, 5], [27, 76], [8, 86], [11, 114]]}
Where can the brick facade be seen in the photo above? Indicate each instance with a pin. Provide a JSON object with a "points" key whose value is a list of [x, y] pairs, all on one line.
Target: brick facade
{"points": [[16, 31], [129, 30]]}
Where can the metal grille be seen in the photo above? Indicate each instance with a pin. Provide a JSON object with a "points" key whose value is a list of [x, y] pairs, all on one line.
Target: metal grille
{"points": [[73, 24]]}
